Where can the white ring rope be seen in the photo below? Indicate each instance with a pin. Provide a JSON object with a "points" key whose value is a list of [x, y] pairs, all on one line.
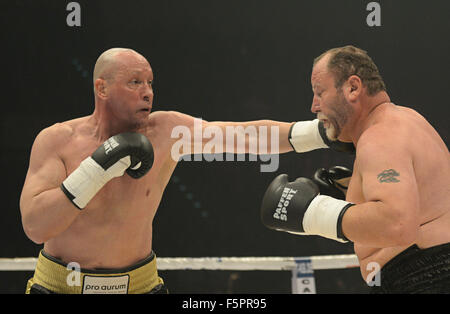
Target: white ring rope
{"points": [[218, 263]]}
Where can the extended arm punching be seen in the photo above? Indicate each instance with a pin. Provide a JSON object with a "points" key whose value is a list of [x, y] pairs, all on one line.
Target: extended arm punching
{"points": [[192, 135]]}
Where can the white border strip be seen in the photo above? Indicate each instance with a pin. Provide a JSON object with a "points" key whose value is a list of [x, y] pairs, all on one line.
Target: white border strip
{"points": [[217, 263]]}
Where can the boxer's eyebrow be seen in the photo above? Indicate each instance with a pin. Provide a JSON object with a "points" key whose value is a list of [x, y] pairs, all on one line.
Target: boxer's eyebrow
{"points": [[316, 86]]}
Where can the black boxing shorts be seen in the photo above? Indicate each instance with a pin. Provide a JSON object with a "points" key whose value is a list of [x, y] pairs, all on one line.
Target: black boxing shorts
{"points": [[416, 271], [54, 276]]}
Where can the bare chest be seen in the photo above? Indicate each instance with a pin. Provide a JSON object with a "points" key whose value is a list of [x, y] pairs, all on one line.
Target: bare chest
{"points": [[431, 169], [122, 194]]}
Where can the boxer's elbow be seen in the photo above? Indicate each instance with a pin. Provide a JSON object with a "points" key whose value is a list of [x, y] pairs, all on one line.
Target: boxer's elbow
{"points": [[31, 226], [403, 234], [33, 230], [403, 230], [34, 235]]}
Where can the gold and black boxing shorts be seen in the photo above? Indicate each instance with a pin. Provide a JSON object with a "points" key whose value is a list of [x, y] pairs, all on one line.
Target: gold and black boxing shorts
{"points": [[54, 276]]}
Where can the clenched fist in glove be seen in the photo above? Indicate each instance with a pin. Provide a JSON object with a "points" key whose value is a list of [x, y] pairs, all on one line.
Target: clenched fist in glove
{"points": [[333, 182], [298, 207]]}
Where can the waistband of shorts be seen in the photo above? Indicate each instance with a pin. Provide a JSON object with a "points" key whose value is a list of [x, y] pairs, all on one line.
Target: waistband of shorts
{"points": [[415, 269], [413, 254], [60, 277]]}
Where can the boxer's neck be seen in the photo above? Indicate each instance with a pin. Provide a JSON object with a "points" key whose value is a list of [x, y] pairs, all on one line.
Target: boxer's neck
{"points": [[104, 124], [367, 109]]}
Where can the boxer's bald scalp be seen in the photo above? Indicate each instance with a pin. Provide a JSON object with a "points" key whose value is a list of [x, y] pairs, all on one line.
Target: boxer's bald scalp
{"points": [[109, 63]]}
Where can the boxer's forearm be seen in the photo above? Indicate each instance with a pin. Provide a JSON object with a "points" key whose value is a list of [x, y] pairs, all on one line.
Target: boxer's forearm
{"points": [[194, 135], [254, 137], [47, 214], [376, 224]]}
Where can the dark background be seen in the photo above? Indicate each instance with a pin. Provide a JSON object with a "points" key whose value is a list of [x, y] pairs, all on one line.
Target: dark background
{"points": [[219, 60]]}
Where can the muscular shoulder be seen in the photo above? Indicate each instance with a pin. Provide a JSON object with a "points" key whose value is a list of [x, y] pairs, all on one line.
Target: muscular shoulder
{"points": [[165, 122], [56, 133], [385, 135], [63, 132], [396, 129], [383, 147], [53, 138], [169, 118]]}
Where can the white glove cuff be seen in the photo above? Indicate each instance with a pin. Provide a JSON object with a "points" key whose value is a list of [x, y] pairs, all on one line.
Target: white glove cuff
{"points": [[84, 182], [304, 136], [322, 216]]}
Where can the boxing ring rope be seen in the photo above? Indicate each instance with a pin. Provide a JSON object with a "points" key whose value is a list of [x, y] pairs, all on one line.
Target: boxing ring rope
{"points": [[302, 268]]}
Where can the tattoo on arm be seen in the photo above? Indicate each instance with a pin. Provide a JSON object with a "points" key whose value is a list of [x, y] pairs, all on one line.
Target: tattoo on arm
{"points": [[388, 176]]}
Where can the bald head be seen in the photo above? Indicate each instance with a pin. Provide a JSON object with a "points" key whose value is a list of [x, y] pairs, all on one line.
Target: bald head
{"points": [[112, 61]]}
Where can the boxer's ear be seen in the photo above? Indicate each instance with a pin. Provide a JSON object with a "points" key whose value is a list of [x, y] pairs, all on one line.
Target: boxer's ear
{"points": [[100, 88], [354, 87]]}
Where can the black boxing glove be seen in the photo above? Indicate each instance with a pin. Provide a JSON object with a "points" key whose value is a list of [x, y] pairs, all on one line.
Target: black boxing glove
{"points": [[306, 136], [134, 145], [298, 208], [333, 182], [130, 152]]}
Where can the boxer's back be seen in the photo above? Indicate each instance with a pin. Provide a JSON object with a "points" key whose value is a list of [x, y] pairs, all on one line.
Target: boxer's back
{"points": [[431, 162]]}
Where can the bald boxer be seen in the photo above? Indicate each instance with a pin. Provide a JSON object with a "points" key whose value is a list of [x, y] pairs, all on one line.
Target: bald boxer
{"points": [[94, 183], [397, 207]]}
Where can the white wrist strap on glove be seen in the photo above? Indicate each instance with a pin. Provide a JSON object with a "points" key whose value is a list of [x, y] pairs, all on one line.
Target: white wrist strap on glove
{"points": [[304, 136], [321, 217], [90, 177]]}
